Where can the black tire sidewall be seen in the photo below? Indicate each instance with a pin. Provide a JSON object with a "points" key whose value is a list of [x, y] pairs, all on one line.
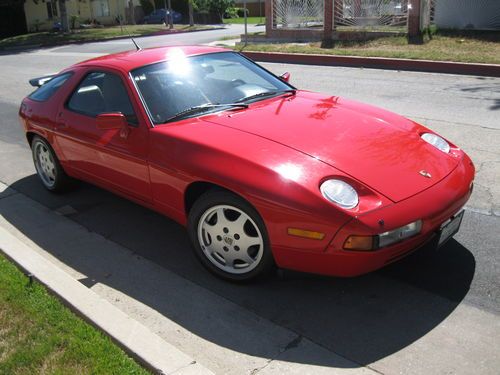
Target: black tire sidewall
{"points": [[219, 197]]}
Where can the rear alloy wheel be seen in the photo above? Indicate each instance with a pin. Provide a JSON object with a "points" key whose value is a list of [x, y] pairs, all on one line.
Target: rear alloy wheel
{"points": [[229, 237], [47, 166]]}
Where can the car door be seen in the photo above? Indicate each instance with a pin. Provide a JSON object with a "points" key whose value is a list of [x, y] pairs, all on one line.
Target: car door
{"points": [[112, 158]]}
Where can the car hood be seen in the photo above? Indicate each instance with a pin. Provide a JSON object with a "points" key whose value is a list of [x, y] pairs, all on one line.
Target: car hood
{"points": [[377, 147]]}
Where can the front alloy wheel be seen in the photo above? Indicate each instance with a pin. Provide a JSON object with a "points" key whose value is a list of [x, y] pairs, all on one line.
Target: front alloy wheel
{"points": [[229, 237]]}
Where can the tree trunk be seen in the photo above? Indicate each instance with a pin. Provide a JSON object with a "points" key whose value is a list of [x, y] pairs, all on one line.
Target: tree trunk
{"points": [[131, 12], [191, 15], [64, 16], [170, 15]]}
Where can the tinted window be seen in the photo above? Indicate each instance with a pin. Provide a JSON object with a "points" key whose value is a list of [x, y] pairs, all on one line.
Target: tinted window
{"points": [[102, 92], [48, 89]]}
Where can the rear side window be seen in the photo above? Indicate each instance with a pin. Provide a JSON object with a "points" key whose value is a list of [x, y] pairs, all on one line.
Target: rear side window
{"points": [[49, 88]]}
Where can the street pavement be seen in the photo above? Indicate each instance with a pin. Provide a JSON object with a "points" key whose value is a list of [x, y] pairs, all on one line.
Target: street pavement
{"points": [[434, 312]]}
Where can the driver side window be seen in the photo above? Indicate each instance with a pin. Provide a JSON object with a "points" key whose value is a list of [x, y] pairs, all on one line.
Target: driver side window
{"points": [[102, 92]]}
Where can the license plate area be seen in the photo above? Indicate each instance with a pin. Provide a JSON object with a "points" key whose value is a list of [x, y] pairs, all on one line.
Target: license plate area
{"points": [[450, 228]]}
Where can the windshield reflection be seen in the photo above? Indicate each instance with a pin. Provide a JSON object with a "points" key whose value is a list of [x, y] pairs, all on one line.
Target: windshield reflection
{"points": [[180, 83]]}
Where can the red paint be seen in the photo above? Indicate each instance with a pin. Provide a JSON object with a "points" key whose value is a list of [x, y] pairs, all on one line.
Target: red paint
{"points": [[275, 154]]}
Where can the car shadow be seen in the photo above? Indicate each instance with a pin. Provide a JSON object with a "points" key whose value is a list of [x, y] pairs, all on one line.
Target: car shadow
{"points": [[364, 319]]}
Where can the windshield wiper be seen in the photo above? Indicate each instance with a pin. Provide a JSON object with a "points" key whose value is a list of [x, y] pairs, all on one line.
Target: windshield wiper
{"points": [[267, 93], [202, 108]]}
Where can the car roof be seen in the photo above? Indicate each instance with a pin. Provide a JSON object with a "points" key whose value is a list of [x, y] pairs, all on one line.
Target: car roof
{"points": [[131, 60]]}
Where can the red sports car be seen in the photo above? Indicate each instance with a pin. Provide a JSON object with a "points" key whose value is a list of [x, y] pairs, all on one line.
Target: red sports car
{"points": [[261, 173]]}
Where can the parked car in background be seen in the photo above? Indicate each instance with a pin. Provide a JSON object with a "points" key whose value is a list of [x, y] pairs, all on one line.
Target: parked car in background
{"points": [[161, 16]]}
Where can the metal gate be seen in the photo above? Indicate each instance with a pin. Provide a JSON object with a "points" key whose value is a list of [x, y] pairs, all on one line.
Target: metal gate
{"points": [[370, 14], [298, 14]]}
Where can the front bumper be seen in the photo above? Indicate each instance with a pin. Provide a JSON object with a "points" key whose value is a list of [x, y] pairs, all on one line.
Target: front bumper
{"points": [[433, 206]]}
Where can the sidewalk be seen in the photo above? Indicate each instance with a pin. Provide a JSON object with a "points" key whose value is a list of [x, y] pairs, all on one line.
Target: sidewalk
{"points": [[137, 340]]}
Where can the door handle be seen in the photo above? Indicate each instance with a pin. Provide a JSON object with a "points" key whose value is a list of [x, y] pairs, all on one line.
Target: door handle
{"points": [[60, 123]]}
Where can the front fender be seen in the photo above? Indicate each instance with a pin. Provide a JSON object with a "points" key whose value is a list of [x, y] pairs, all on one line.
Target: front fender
{"points": [[281, 183]]}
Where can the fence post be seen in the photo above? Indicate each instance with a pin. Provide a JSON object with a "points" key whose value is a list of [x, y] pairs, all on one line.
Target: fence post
{"points": [[414, 14], [328, 20], [269, 18]]}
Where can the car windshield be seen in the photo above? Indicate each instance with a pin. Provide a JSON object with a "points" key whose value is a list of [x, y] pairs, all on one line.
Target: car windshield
{"points": [[203, 82]]}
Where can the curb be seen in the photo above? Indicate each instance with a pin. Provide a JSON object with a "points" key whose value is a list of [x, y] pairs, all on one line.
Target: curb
{"points": [[134, 338], [489, 70]]}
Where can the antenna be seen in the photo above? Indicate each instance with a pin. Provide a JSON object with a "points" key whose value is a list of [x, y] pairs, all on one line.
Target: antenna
{"points": [[136, 45]]}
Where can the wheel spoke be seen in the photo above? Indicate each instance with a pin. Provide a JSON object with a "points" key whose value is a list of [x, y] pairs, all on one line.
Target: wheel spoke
{"points": [[218, 256], [212, 230], [247, 241], [238, 225], [221, 218], [246, 258]]}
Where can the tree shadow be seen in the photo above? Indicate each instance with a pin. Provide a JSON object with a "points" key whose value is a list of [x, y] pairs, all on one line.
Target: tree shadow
{"points": [[488, 85], [363, 319]]}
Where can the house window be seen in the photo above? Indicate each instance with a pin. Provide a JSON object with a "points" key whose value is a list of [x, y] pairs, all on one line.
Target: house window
{"points": [[100, 8], [51, 9]]}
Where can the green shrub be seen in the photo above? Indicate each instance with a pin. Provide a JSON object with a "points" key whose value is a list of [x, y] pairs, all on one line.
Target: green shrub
{"points": [[147, 6]]}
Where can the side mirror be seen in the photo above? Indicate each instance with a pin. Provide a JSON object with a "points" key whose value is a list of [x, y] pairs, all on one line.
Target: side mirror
{"points": [[107, 121], [285, 77]]}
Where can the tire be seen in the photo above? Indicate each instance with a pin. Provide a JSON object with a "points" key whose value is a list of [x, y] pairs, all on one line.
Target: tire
{"points": [[48, 167], [229, 237]]}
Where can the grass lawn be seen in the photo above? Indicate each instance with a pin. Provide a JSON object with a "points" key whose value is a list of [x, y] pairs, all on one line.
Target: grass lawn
{"points": [[250, 20], [82, 35], [38, 335], [473, 48]]}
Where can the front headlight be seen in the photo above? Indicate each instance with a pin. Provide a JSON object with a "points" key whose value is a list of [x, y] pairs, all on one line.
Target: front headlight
{"points": [[436, 141], [340, 192]]}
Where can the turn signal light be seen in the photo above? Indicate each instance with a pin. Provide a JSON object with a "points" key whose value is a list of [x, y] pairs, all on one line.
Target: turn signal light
{"points": [[360, 243], [306, 233]]}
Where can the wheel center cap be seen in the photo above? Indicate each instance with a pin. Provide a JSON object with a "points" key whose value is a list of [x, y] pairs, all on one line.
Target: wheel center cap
{"points": [[228, 240]]}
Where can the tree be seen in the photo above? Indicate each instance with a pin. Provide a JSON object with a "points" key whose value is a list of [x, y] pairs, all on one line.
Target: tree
{"points": [[131, 12], [64, 16], [147, 6], [191, 15], [220, 6]]}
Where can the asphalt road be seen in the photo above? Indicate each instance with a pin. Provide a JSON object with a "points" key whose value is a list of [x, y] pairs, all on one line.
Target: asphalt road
{"points": [[372, 317]]}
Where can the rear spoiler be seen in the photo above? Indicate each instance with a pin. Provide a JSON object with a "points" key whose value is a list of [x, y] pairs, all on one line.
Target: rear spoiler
{"points": [[39, 81]]}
